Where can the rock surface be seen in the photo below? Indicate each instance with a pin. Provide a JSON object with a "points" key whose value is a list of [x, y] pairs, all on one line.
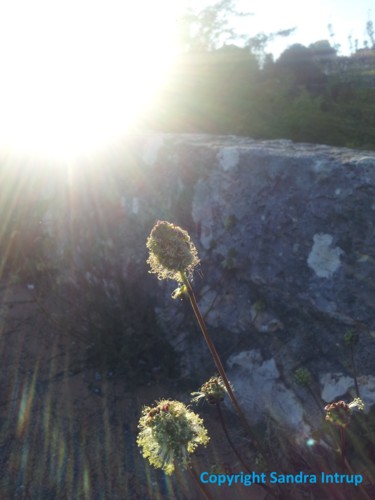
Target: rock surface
{"points": [[286, 237]]}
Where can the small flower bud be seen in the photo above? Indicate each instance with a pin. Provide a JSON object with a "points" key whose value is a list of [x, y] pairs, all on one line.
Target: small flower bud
{"points": [[340, 413], [180, 292], [171, 251], [357, 403], [213, 391]]}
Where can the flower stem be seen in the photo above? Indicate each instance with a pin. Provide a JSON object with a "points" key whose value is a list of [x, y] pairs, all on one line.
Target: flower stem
{"points": [[231, 444], [202, 489], [224, 377], [221, 418], [342, 445], [217, 360], [354, 371]]}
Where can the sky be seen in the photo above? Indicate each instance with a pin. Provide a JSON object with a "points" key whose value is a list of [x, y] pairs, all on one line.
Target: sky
{"points": [[311, 18], [75, 73]]}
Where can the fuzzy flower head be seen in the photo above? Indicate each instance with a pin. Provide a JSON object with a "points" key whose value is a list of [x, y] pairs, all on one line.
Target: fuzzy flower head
{"points": [[171, 251], [340, 413], [213, 391], [169, 432]]}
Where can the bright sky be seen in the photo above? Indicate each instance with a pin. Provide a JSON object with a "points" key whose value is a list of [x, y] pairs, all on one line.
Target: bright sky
{"points": [[348, 17], [75, 73]]}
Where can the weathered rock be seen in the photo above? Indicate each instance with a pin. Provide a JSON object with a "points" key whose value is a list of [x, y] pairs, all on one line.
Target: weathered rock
{"points": [[335, 385], [286, 237], [262, 393]]}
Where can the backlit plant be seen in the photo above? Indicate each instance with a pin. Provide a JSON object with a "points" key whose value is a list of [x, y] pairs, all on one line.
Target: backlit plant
{"points": [[172, 253], [169, 433], [339, 413], [174, 256]]}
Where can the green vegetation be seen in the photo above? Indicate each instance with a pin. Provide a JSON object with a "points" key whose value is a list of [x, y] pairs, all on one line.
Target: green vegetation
{"points": [[225, 92], [309, 94]]}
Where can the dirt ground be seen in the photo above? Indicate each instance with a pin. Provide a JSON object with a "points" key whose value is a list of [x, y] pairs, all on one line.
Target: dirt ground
{"points": [[68, 432]]}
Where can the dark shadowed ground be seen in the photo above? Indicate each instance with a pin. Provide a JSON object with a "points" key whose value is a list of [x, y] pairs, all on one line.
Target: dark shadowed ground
{"points": [[68, 432]]}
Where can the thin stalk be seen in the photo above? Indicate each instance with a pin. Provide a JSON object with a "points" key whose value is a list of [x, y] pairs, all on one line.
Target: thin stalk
{"points": [[223, 375], [231, 444], [343, 445], [202, 489], [354, 368], [344, 461], [215, 355], [360, 486]]}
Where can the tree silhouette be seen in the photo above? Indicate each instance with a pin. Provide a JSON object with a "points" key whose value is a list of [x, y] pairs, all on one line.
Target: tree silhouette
{"points": [[209, 28]]}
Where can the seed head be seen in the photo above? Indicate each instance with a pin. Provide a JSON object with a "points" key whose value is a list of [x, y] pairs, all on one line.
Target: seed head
{"points": [[213, 391], [340, 413], [169, 432], [171, 251]]}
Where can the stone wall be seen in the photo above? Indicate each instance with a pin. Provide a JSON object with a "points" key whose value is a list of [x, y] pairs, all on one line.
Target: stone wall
{"points": [[286, 237]]}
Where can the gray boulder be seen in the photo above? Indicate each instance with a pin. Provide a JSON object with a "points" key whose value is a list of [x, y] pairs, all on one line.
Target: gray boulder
{"points": [[286, 237]]}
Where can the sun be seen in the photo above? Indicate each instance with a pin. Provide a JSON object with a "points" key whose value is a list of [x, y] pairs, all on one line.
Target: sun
{"points": [[76, 73]]}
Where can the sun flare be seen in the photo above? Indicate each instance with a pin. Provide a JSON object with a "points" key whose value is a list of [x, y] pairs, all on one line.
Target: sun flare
{"points": [[76, 73]]}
